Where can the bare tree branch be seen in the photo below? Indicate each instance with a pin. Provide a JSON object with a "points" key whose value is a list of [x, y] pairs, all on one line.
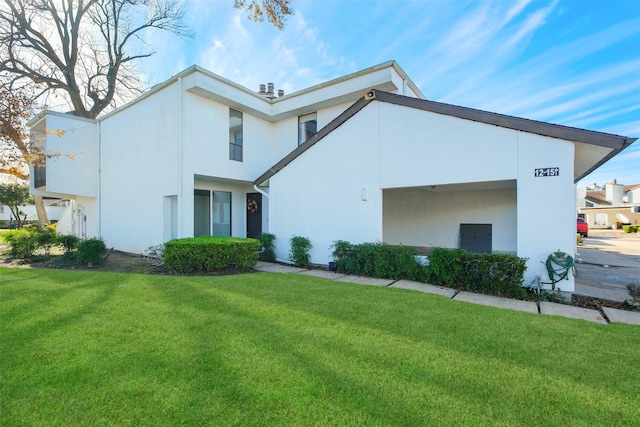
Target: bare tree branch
{"points": [[79, 47], [275, 11]]}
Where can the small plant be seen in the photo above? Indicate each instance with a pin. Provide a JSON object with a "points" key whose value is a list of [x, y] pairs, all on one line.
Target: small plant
{"points": [[268, 247], [22, 243], [91, 252], [299, 254], [46, 239], [68, 242], [634, 291], [155, 252]]}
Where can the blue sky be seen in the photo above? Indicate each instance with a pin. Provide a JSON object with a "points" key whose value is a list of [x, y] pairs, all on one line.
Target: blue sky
{"points": [[569, 62]]}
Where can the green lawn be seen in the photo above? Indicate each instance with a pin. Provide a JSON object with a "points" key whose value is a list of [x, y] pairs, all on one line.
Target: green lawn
{"points": [[89, 348]]}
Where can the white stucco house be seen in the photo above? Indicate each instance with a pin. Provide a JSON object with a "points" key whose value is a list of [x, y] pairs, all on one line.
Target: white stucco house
{"points": [[612, 206], [361, 158]]}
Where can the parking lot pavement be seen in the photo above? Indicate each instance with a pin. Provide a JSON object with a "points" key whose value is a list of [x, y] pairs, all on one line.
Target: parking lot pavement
{"points": [[606, 262]]}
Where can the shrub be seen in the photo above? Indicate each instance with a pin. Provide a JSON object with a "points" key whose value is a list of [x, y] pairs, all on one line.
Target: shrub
{"points": [[210, 253], [495, 274], [299, 254], [377, 260], [268, 247], [341, 256], [156, 252], [91, 251], [68, 242], [634, 291], [446, 266], [46, 238], [22, 243]]}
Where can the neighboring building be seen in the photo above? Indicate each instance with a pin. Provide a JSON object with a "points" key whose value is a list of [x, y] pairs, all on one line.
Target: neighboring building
{"points": [[54, 209], [613, 206], [362, 158]]}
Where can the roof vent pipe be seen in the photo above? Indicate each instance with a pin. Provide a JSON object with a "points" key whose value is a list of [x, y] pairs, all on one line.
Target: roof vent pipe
{"points": [[262, 90], [280, 93]]}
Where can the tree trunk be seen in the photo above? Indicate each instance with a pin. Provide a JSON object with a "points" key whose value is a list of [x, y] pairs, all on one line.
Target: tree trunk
{"points": [[42, 213]]}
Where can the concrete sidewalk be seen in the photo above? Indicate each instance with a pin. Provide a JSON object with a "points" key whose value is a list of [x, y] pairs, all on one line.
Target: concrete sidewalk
{"points": [[546, 308]]}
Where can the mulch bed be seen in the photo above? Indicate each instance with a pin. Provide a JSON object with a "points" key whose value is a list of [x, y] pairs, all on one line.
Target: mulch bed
{"points": [[598, 303]]}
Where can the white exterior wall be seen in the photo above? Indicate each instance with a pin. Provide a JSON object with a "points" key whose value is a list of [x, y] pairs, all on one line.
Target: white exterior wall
{"points": [[546, 205], [422, 148], [387, 147], [418, 217], [140, 165], [319, 195], [74, 170], [80, 218]]}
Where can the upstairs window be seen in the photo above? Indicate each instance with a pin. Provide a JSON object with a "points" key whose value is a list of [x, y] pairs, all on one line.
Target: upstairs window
{"points": [[235, 135], [307, 127]]}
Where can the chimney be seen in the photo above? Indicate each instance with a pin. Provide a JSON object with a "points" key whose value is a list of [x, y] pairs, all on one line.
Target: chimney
{"points": [[614, 193], [262, 90], [270, 90], [280, 93]]}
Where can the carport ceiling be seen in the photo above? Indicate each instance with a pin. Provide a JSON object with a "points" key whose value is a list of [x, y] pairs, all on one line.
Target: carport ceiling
{"points": [[471, 186]]}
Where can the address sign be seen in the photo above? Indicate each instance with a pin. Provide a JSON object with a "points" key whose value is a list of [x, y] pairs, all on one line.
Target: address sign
{"points": [[538, 172]]}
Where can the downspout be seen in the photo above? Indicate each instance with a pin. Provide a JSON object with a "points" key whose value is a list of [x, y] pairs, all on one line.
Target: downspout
{"points": [[265, 194]]}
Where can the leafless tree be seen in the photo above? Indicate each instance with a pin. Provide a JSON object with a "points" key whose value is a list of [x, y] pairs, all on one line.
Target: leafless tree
{"points": [[84, 49]]}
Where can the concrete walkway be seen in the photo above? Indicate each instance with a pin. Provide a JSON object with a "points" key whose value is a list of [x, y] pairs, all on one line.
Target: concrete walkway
{"points": [[607, 315]]}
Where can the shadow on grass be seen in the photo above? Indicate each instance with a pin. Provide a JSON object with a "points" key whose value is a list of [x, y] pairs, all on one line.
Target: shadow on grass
{"points": [[278, 348]]}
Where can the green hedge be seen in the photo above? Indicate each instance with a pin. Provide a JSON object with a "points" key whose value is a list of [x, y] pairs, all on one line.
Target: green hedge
{"points": [[377, 260], [210, 253], [630, 228], [494, 274]]}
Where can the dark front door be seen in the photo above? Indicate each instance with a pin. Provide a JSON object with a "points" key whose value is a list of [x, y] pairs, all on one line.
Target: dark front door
{"points": [[254, 214]]}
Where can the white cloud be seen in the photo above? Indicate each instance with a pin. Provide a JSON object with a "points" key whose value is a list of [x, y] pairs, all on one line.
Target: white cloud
{"points": [[531, 24]]}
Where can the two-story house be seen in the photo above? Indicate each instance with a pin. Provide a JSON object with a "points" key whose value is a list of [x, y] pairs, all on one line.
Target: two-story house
{"points": [[364, 157], [612, 206]]}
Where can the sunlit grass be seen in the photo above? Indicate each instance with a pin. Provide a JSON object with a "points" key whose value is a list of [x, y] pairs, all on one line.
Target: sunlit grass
{"points": [[89, 348]]}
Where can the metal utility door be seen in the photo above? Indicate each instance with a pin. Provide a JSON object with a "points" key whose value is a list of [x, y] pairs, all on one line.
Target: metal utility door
{"points": [[476, 237], [254, 214]]}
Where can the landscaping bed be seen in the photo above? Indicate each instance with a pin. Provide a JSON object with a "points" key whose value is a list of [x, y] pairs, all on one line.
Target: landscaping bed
{"points": [[124, 262]]}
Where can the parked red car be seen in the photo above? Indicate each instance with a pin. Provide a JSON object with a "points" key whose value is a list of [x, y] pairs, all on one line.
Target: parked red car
{"points": [[583, 227]]}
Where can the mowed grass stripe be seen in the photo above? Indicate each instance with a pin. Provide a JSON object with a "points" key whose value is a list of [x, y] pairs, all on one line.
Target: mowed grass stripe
{"points": [[90, 348]]}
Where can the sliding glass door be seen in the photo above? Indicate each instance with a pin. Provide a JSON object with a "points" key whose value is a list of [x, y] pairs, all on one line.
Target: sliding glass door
{"points": [[211, 213]]}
